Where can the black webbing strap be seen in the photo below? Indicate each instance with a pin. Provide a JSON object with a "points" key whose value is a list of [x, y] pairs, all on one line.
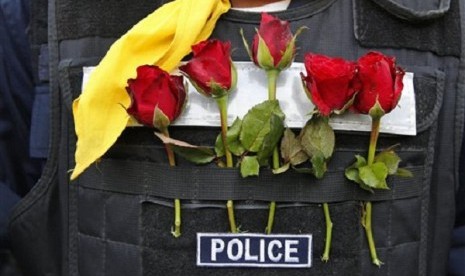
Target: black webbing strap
{"points": [[212, 183]]}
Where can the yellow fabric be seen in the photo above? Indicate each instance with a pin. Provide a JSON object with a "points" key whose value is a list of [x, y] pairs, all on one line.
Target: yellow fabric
{"points": [[162, 38]]}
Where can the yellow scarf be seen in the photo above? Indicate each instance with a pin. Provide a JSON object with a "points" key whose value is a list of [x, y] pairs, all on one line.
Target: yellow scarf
{"points": [[162, 38]]}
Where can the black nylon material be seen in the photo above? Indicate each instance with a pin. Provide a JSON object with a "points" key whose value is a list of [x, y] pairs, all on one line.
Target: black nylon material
{"points": [[196, 183], [38, 224], [441, 36], [108, 223], [123, 15]]}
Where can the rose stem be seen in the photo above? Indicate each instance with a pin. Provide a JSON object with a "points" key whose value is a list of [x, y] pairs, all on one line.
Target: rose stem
{"points": [[329, 223], [272, 79], [368, 206], [177, 203], [271, 213], [375, 123], [329, 231], [223, 107], [369, 233]]}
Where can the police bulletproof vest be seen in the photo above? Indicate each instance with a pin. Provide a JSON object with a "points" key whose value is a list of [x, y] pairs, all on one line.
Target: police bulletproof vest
{"points": [[115, 218]]}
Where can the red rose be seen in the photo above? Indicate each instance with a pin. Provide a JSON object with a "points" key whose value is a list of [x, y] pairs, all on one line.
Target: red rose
{"points": [[380, 82], [157, 98], [274, 45], [329, 82], [211, 70]]}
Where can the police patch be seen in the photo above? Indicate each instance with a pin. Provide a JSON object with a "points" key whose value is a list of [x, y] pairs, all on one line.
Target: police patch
{"points": [[254, 250]]}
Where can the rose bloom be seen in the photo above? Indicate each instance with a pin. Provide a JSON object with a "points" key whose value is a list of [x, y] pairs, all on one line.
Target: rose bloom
{"points": [[155, 90], [277, 38], [329, 82], [380, 81], [211, 70]]}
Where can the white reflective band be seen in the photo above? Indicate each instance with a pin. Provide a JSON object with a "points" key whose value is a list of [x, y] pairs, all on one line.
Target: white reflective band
{"points": [[252, 88]]}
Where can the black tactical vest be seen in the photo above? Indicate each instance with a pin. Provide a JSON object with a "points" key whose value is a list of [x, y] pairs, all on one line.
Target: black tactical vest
{"points": [[115, 219]]}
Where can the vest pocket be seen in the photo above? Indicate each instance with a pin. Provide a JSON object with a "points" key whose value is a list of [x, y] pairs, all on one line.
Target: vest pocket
{"points": [[77, 20], [411, 25], [122, 213]]}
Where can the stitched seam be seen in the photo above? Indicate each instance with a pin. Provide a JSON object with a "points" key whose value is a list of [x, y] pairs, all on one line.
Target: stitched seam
{"points": [[121, 243], [389, 239], [104, 235], [424, 246]]}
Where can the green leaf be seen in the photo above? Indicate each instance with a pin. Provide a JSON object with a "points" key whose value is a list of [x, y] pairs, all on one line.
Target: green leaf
{"points": [[250, 166], [219, 147], [257, 124], [354, 175], [194, 154], [264, 162], [404, 172], [319, 166], [303, 170], [353, 172], [299, 158], [317, 138], [197, 155], [232, 137], [282, 169], [287, 144], [271, 140], [361, 161], [291, 149], [374, 175], [390, 159]]}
